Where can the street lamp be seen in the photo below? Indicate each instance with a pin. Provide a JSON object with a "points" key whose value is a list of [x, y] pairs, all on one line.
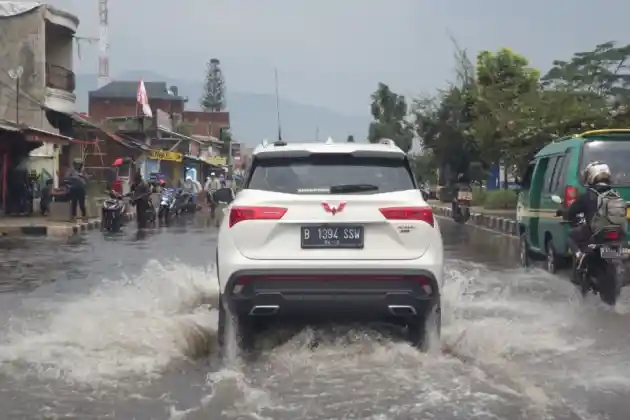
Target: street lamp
{"points": [[16, 74]]}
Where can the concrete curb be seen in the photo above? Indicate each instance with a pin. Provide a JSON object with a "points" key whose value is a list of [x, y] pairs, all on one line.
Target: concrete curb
{"points": [[496, 223], [65, 230]]}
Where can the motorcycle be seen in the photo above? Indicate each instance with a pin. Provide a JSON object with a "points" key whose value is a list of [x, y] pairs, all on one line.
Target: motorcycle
{"points": [[601, 271], [426, 192], [463, 202], [184, 202], [167, 209], [113, 210]]}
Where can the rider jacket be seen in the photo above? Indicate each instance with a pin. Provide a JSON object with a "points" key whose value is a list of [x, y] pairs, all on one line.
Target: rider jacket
{"points": [[585, 203]]}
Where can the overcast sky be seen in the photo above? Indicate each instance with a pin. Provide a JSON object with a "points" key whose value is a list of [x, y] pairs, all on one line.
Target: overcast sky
{"points": [[334, 52]]}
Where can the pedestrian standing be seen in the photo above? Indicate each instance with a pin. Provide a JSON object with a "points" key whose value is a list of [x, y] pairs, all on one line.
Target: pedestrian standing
{"points": [[77, 184], [141, 195]]}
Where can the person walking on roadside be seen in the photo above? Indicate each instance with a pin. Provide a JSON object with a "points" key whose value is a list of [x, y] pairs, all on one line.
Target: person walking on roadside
{"points": [[141, 194], [77, 184]]}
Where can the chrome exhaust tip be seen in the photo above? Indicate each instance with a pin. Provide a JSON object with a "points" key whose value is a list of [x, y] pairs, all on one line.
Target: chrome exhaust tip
{"points": [[264, 310], [402, 310]]}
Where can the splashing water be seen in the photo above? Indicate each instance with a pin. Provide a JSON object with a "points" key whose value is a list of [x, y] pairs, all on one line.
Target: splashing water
{"points": [[487, 327], [129, 327], [502, 332]]}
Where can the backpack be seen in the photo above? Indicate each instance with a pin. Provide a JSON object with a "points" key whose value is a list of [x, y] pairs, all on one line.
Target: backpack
{"points": [[611, 211]]}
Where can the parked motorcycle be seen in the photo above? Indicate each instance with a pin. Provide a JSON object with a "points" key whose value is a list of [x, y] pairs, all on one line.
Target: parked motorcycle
{"points": [[167, 211], [113, 211], [602, 268], [463, 202]]}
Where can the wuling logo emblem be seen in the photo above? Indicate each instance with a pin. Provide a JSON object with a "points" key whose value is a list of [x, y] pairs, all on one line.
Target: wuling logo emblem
{"points": [[334, 209]]}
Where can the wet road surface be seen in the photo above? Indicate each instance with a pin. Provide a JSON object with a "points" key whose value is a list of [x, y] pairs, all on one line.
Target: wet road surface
{"points": [[119, 328]]}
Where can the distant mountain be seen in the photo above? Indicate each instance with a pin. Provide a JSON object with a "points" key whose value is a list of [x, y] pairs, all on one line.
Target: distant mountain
{"points": [[253, 115]]}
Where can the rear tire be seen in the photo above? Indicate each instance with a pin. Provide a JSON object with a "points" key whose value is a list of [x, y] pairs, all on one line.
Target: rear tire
{"points": [[609, 283], [553, 261], [234, 327], [423, 333], [524, 252]]}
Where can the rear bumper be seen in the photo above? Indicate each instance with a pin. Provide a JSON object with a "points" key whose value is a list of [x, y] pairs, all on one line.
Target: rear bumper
{"points": [[326, 294]]}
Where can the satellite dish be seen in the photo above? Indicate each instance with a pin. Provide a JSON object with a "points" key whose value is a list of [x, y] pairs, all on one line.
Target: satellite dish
{"points": [[16, 73]]}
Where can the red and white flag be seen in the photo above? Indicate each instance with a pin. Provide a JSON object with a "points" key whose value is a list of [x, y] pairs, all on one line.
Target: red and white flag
{"points": [[143, 100]]}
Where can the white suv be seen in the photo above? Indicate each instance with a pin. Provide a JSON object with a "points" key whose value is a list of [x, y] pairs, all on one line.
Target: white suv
{"points": [[329, 231]]}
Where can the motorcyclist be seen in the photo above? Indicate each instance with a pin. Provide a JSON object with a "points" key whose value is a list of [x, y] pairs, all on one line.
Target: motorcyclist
{"points": [[598, 178], [462, 183], [212, 185]]}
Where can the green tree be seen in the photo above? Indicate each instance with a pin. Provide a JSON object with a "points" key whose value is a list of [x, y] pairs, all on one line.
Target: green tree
{"points": [[213, 97], [443, 122], [389, 112], [506, 95], [426, 167], [597, 81], [350, 139], [226, 137]]}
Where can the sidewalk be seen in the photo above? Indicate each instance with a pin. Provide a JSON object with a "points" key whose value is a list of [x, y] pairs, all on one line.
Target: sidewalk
{"points": [[508, 214], [502, 221], [42, 226]]}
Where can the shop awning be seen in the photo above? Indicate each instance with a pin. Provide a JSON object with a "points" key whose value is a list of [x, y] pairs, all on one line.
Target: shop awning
{"points": [[194, 159], [82, 121], [42, 136], [35, 135]]}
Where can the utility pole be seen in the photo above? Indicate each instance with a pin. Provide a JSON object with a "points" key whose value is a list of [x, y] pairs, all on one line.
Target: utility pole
{"points": [[103, 44], [16, 74]]}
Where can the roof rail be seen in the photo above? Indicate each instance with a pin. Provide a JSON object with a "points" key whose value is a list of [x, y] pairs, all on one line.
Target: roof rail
{"points": [[604, 131], [329, 141]]}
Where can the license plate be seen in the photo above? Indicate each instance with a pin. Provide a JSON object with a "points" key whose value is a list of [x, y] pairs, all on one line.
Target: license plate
{"points": [[464, 195], [614, 253], [332, 237]]}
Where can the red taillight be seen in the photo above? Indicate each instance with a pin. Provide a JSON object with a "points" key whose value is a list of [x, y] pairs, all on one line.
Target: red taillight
{"points": [[612, 235], [570, 195], [240, 214], [409, 213]]}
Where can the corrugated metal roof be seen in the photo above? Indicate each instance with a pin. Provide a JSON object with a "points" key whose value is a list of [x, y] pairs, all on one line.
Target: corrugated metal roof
{"points": [[129, 90], [14, 8], [8, 126]]}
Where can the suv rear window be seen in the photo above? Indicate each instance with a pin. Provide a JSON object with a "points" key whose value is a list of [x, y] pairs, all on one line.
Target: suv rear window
{"points": [[615, 153], [317, 173]]}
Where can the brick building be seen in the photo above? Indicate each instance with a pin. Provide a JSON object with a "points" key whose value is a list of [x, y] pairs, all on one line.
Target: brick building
{"points": [[118, 99]]}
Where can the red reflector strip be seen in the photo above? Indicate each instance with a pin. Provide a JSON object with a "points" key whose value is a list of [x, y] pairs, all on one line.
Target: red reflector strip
{"points": [[419, 279]]}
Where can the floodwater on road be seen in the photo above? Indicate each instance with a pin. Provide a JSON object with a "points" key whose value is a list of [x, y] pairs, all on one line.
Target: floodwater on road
{"points": [[121, 327]]}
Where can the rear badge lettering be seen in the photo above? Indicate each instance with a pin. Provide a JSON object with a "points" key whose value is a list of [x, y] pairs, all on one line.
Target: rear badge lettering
{"points": [[405, 228]]}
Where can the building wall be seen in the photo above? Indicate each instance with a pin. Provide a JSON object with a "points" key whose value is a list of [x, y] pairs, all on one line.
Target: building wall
{"points": [[101, 108], [207, 123], [22, 43], [59, 48]]}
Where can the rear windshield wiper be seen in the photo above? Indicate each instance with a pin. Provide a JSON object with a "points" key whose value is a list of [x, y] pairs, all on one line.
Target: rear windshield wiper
{"points": [[350, 188]]}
